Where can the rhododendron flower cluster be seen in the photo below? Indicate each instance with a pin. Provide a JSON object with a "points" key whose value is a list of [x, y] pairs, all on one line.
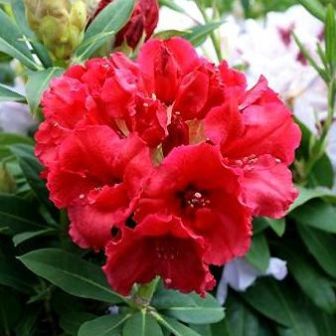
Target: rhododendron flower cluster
{"points": [[143, 21], [163, 161]]}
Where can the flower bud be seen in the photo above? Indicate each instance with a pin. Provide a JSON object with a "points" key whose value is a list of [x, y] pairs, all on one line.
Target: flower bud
{"points": [[141, 25], [7, 183], [58, 24]]}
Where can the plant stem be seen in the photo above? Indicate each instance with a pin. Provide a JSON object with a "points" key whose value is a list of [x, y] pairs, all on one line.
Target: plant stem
{"points": [[215, 41]]}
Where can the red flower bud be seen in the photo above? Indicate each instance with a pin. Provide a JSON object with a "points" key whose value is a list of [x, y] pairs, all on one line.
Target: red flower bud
{"points": [[143, 21]]}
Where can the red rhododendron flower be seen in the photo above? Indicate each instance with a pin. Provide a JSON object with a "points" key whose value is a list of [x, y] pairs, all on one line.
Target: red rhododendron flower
{"points": [[258, 137], [163, 161], [143, 21], [193, 184], [158, 246], [96, 178]]}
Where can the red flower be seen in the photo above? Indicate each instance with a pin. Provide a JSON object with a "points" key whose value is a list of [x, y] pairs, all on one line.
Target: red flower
{"points": [[99, 177], [221, 154], [158, 246], [143, 21], [193, 184], [95, 93], [258, 137]]}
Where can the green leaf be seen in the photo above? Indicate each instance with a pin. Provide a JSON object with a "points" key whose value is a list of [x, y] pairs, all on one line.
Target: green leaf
{"points": [[318, 214], [7, 94], [21, 20], [11, 139], [306, 195], [10, 311], [71, 273], [172, 4], [272, 301], [177, 328], [12, 42], [189, 308], [32, 169], [28, 321], [142, 324], [241, 320], [323, 173], [277, 225], [198, 34], [321, 246], [314, 7], [317, 287], [38, 81], [24, 236], [259, 254], [330, 33], [107, 22], [104, 326], [13, 274], [71, 321], [17, 214], [167, 34]]}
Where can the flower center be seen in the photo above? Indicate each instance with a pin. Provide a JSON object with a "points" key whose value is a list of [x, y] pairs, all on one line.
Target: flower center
{"points": [[193, 199]]}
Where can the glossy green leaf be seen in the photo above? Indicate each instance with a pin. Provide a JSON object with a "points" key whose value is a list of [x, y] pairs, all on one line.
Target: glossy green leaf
{"points": [[175, 327], [71, 321], [13, 43], [13, 274], [306, 195], [316, 286], [107, 22], [198, 34], [17, 214], [32, 169], [277, 302], [259, 254], [104, 326], [314, 7], [8, 94], [71, 273], [318, 214], [242, 321], [321, 245], [38, 81], [142, 324], [24, 236], [12, 139], [189, 308], [21, 21]]}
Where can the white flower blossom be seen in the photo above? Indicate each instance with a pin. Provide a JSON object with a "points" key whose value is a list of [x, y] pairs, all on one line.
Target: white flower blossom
{"points": [[239, 274]]}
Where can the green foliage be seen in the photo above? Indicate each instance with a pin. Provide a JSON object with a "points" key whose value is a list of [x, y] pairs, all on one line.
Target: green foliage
{"points": [[50, 287]]}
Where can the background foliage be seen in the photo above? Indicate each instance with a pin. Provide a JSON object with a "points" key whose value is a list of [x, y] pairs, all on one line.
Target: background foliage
{"points": [[50, 287]]}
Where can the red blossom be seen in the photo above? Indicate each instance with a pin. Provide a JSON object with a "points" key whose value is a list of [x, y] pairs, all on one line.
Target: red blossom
{"points": [[158, 246], [143, 21], [258, 137], [193, 184], [170, 154]]}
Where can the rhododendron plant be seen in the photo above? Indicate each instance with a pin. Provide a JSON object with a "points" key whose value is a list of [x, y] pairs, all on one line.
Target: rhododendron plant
{"points": [[142, 23], [168, 155], [166, 167]]}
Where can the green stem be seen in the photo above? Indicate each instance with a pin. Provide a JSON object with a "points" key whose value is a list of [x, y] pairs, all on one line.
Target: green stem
{"points": [[145, 293], [214, 39]]}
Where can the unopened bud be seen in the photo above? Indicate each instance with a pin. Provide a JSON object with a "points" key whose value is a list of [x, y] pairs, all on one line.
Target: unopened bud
{"points": [[58, 24], [7, 183], [141, 24]]}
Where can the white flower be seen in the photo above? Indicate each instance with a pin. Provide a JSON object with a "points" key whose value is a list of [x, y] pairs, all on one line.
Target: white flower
{"points": [[267, 48], [239, 274], [15, 118]]}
